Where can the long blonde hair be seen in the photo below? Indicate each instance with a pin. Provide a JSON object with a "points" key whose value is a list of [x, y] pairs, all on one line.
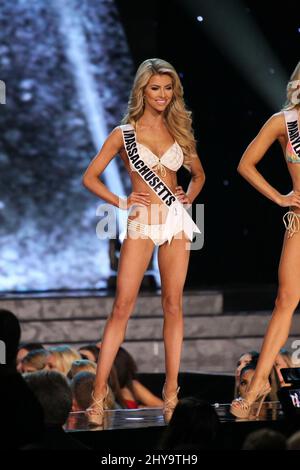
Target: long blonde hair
{"points": [[64, 356], [292, 91], [178, 118]]}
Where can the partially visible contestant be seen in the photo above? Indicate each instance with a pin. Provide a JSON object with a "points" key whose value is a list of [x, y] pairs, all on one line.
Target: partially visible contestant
{"points": [[154, 141], [284, 127]]}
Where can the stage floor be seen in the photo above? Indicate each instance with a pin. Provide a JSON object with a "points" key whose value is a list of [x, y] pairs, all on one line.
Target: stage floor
{"points": [[153, 417]]}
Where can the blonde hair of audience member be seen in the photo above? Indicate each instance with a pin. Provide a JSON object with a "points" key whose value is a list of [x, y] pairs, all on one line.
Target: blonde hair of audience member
{"points": [[61, 358], [81, 365], [34, 361]]}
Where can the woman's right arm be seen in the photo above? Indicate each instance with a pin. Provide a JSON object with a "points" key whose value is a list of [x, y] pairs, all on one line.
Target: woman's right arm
{"points": [[112, 145], [272, 129], [91, 181]]}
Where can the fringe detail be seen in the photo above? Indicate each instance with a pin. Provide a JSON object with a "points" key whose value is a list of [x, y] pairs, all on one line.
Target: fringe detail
{"points": [[291, 222]]}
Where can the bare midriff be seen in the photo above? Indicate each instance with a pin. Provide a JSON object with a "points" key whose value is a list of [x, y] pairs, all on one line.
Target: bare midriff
{"points": [[156, 212]]}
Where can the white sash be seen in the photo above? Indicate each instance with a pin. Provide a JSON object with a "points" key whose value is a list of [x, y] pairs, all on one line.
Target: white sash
{"points": [[178, 218], [291, 121]]}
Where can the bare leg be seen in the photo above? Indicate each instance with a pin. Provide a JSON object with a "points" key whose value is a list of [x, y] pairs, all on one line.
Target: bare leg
{"points": [[173, 262], [134, 259], [288, 297]]}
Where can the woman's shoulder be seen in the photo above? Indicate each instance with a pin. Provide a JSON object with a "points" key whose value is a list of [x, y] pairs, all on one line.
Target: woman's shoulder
{"points": [[121, 127], [116, 137], [116, 132], [276, 123], [278, 117]]}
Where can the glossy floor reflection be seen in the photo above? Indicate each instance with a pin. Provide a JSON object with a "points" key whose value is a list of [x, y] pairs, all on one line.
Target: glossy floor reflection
{"points": [[151, 417], [270, 411]]}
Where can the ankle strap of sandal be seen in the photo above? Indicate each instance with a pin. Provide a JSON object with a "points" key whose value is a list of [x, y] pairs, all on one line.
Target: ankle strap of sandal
{"points": [[99, 401], [170, 399]]}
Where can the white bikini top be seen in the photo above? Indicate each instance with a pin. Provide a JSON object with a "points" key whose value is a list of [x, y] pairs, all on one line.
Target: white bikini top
{"points": [[172, 158]]}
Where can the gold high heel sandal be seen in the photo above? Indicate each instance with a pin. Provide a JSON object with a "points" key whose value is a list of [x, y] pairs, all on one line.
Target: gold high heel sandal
{"points": [[241, 407], [95, 413], [169, 404]]}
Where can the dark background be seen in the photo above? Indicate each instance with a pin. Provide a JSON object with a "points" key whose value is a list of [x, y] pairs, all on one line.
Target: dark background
{"points": [[243, 229]]}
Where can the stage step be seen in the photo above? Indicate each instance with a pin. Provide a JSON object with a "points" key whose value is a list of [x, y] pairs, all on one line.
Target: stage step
{"points": [[149, 328], [85, 305], [214, 339]]}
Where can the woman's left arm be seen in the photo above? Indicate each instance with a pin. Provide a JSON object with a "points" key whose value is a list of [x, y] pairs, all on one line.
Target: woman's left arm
{"points": [[196, 183]]}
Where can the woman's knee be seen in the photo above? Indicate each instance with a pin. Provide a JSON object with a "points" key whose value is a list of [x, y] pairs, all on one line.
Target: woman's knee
{"points": [[287, 299], [122, 309], [172, 304]]}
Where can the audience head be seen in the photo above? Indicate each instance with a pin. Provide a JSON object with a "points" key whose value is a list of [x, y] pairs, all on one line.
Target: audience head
{"points": [[194, 423], [10, 333], [265, 439], [244, 359], [293, 442], [23, 350], [82, 385], [80, 366], [89, 352], [52, 390], [34, 361], [246, 376], [60, 358], [283, 360]]}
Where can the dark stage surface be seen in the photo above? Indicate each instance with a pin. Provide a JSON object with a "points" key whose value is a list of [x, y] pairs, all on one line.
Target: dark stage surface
{"points": [[142, 429], [152, 417]]}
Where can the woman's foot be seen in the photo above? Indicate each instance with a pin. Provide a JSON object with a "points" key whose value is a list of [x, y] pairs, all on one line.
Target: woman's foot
{"points": [[170, 402], [95, 413], [241, 407]]}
